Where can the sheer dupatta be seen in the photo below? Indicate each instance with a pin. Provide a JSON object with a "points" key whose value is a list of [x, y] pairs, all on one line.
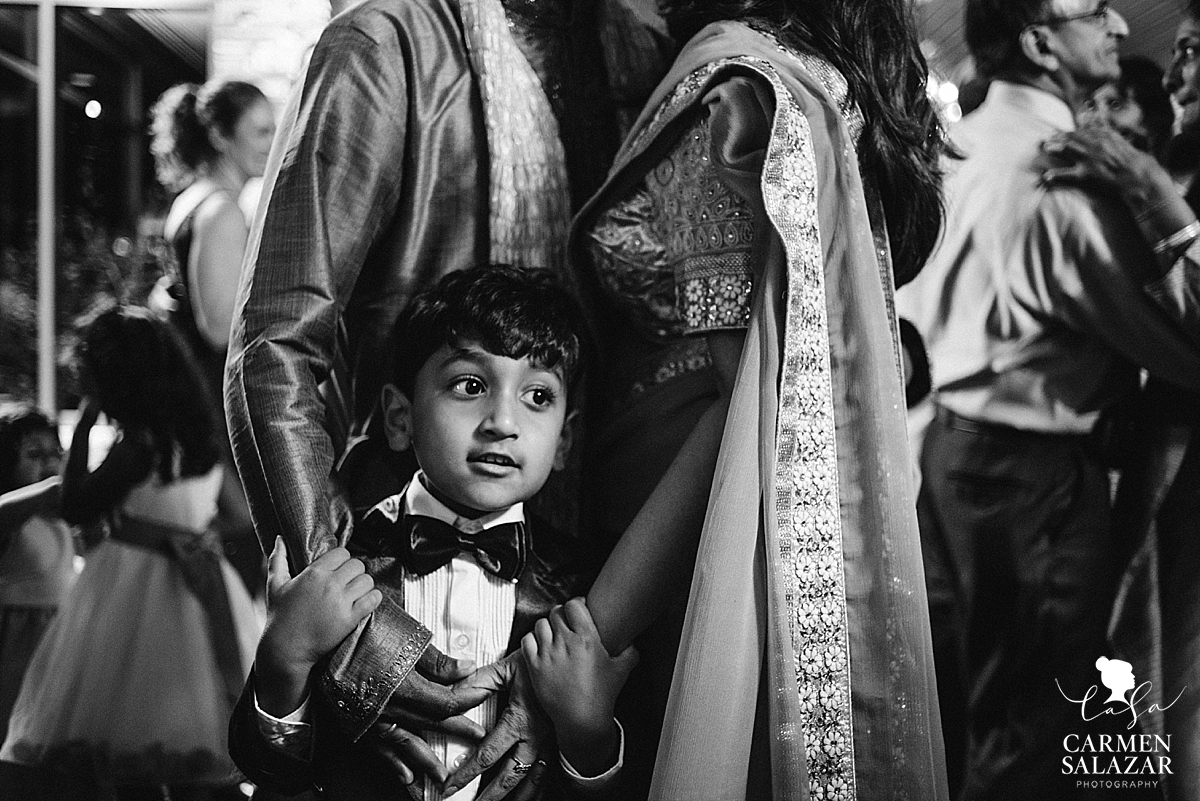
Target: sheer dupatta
{"points": [[808, 614]]}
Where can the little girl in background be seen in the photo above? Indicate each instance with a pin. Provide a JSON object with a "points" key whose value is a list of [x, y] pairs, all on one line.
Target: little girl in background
{"points": [[134, 682], [37, 550]]}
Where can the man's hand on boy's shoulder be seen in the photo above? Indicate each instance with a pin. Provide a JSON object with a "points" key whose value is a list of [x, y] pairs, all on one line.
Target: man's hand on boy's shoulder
{"points": [[307, 616]]}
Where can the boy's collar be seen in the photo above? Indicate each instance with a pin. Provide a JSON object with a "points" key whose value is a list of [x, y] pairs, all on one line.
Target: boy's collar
{"points": [[415, 499]]}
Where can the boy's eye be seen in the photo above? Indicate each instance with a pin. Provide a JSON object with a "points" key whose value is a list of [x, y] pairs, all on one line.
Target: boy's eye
{"points": [[541, 396], [469, 385]]}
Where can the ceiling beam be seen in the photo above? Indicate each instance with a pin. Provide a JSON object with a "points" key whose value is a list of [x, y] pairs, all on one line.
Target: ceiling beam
{"points": [[29, 70]]}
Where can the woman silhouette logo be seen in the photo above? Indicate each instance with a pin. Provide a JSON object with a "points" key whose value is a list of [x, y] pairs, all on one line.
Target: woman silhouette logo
{"points": [[1116, 675]]}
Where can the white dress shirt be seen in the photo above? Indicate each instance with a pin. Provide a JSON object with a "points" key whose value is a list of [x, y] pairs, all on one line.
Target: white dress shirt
{"points": [[1039, 304]]}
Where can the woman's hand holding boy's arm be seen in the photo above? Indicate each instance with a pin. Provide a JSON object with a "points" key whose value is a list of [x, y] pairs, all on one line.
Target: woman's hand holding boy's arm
{"points": [[577, 683], [308, 616]]}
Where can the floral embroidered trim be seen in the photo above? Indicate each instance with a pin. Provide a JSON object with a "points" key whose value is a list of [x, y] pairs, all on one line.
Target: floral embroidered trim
{"points": [[715, 292], [363, 703], [680, 244], [807, 494]]}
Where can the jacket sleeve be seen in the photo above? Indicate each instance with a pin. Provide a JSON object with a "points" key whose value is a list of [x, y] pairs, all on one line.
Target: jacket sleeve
{"points": [[263, 764], [333, 182]]}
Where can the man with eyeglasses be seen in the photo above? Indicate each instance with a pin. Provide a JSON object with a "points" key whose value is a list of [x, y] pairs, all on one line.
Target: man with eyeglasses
{"points": [[1156, 622], [1039, 307]]}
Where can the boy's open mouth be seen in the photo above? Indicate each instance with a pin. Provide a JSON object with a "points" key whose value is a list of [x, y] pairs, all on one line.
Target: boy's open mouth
{"points": [[499, 459]]}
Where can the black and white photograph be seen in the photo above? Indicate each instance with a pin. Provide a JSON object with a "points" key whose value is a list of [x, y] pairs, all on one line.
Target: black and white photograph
{"points": [[600, 400]]}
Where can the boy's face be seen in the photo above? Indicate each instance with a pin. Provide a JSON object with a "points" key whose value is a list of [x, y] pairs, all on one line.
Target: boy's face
{"points": [[38, 458], [487, 429]]}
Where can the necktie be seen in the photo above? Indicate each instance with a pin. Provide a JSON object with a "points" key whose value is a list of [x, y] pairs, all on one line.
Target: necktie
{"points": [[430, 543]]}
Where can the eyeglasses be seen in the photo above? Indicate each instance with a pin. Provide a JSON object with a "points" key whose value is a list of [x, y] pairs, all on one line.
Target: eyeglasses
{"points": [[1100, 15]]}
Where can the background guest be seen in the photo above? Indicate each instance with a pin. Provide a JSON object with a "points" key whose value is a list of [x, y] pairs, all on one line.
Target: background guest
{"points": [[1156, 619], [135, 680], [1038, 308], [37, 550], [1136, 105], [208, 142]]}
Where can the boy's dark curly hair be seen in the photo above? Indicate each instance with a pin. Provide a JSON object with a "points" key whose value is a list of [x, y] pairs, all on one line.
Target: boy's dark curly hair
{"points": [[510, 312]]}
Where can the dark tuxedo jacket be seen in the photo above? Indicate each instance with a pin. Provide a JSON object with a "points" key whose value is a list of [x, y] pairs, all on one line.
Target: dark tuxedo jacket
{"points": [[557, 569]]}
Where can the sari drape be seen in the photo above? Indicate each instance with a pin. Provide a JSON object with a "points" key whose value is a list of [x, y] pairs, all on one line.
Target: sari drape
{"points": [[810, 612]]}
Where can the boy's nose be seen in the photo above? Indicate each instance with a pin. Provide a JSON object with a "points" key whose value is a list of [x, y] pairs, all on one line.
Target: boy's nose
{"points": [[501, 420]]}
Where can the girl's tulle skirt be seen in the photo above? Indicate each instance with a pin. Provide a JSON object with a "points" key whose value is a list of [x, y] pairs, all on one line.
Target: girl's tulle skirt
{"points": [[125, 685]]}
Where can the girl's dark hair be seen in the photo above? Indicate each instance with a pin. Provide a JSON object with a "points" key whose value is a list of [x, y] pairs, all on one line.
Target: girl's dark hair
{"points": [[18, 421], [182, 119], [509, 311], [145, 378], [873, 43]]}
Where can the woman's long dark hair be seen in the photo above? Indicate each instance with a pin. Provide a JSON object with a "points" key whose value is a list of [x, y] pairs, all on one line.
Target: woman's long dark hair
{"points": [[874, 45]]}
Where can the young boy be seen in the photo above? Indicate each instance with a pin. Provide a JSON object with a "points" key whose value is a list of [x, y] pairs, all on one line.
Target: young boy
{"points": [[487, 362]]}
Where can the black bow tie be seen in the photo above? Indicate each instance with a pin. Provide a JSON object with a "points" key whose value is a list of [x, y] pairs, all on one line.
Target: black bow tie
{"points": [[430, 543]]}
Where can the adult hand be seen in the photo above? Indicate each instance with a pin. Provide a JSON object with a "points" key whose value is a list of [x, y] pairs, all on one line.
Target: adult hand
{"points": [[1098, 155], [521, 739], [431, 698]]}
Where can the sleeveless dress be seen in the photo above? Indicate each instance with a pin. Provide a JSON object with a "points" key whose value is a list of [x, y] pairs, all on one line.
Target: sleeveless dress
{"points": [[179, 237], [135, 680]]}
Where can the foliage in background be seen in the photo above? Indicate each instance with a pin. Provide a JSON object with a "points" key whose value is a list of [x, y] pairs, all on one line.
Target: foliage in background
{"points": [[93, 267]]}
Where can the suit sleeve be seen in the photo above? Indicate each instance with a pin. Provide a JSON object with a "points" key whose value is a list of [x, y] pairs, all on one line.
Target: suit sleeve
{"points": [[262, 763], [333, 183]]}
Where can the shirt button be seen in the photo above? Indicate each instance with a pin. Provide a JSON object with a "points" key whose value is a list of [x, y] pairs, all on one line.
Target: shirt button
{"points": [[462, 641]]}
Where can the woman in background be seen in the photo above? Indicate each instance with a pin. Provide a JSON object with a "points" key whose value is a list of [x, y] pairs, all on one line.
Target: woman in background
{"points": [[1136, 106], [209, 141]]}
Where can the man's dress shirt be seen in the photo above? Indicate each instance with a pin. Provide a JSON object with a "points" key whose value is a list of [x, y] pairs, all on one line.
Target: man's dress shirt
{"points": [[1040, 303]]}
